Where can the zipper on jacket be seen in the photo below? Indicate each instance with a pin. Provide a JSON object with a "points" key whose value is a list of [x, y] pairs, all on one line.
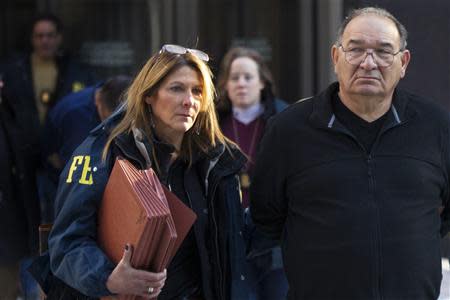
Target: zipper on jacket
{"points": [[216, 242], [378, 240], [377, 235], [370, 174], [211, 195], [371, 194]]}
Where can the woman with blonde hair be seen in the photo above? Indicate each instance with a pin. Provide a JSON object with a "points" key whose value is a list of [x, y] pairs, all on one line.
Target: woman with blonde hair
{"points": [[167, 122]]}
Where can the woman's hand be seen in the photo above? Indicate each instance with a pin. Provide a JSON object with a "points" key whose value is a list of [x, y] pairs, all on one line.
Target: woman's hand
{"points": [[125, 280]]}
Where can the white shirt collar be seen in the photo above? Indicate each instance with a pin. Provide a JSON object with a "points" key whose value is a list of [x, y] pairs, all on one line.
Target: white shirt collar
{"points": [[248, 114]]}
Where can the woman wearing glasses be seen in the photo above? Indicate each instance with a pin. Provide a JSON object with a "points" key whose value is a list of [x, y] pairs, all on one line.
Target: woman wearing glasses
{"points": [[167, 122], [246, 103]]}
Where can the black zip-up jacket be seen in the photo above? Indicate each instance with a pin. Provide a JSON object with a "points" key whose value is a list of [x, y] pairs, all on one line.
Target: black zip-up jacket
{"points": [[75, 257], [355, 225]]}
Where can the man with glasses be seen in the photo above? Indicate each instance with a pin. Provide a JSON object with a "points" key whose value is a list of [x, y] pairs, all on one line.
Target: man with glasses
{"points": [[360, 196]]}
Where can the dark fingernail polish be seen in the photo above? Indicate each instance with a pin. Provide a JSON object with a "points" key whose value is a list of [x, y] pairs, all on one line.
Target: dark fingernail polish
{"points": [[127, 247]]}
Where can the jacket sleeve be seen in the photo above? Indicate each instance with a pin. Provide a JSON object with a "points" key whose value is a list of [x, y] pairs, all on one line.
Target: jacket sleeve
{"points": [[268, 204], [75, 256]]}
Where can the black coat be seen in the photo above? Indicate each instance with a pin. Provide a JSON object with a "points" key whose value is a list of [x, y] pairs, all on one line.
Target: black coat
{"points": [[19, 207], [355, 225]]}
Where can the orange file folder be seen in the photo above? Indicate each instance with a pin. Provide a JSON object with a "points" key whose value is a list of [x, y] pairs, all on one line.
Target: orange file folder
{"points": [[137, 209]]}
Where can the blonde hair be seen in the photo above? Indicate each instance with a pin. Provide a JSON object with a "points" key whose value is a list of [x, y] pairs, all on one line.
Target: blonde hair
{"points": [[204, 134]]}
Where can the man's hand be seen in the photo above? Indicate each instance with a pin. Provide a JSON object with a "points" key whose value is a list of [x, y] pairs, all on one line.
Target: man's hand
{"points": [[125, 280]]}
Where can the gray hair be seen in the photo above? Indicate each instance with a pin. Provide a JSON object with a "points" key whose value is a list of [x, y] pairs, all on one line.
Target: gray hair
{"points": [[373, 11]]}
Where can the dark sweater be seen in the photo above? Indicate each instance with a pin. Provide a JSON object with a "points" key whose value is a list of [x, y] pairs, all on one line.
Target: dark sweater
{"points": [[365, 132]]}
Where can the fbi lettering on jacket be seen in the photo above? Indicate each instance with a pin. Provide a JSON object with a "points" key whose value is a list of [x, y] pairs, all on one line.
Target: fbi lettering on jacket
{"points": [[82, 163]]}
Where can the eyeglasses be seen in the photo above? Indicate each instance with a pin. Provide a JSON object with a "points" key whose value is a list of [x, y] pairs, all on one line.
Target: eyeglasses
{"points": [[382, 57], [176, 49]]}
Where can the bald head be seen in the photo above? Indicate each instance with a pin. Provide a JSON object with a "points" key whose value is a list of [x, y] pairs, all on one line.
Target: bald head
{"points": [[402, 33]]}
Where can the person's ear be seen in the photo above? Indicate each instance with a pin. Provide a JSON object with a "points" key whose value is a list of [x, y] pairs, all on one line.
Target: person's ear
{"points": [[97, 102], [405, 58], [100, 109], [335, 56], [149, 100]]}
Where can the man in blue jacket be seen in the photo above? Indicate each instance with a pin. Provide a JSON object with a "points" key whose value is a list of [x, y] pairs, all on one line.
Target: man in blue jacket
{"points": [[355, 181], [70, 122]]}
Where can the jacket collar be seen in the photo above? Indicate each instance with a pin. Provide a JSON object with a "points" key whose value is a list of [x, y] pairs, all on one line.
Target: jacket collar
{"points": [[322, 115], [127, 145], [220, 159], [227, 160], [126, 142]]}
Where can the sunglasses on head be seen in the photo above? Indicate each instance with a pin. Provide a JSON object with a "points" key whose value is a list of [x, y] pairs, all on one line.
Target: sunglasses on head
{"points": [[177, 49]]}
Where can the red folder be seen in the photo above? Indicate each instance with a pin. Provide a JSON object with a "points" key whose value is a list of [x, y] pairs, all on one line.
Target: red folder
{"points": [[138, 210]]}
